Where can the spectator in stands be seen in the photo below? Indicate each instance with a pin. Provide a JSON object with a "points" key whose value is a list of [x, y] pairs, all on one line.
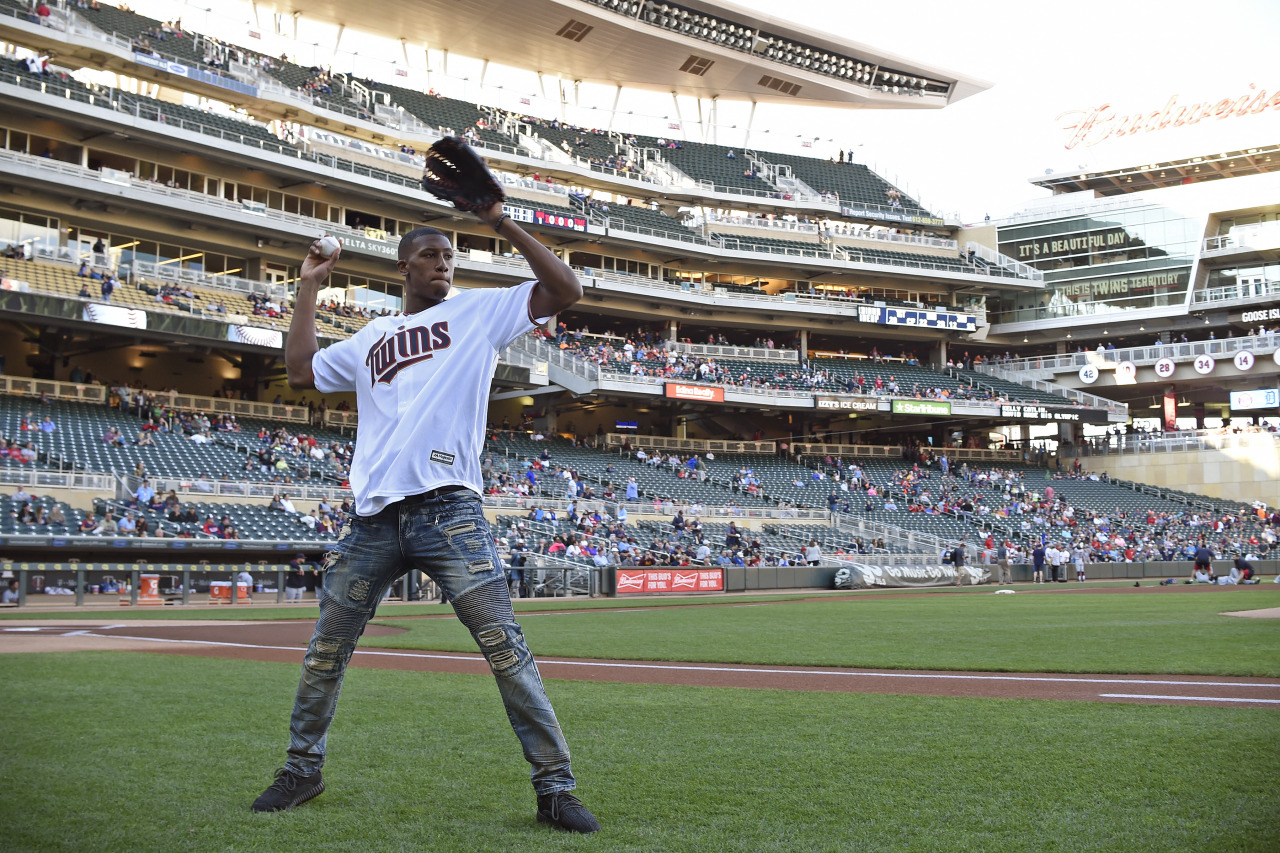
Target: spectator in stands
{"points": [[21, 495], [56, 516], [286, 505], [127, 526], [143, 494], [47, 425], [11, 593], [210, 527]]}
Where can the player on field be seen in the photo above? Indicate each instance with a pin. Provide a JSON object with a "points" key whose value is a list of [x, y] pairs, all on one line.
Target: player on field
{"points": [[421, 381]]}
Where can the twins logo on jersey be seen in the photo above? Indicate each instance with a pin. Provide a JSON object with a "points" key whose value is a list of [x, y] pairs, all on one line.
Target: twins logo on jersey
{"points": [[407, 347]]}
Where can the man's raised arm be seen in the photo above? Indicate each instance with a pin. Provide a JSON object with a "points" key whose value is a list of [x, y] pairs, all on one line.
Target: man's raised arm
{"points": [[558, 287], [302, 344]]}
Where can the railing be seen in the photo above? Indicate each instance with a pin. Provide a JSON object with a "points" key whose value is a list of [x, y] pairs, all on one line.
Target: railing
{"points": [[541, 350], [785, 225], [870, 451], [22, 386], [899, 535], [339, 419], [839, 233], [38, 478], [217, 281], [1258, 344], [1239, 292], [735, 244], [1171, 442], [614, 224], [789, 356], [1052, 388], [1004, 262], [223, 406], [1054, 211], [1261, 235], [693, 445]]}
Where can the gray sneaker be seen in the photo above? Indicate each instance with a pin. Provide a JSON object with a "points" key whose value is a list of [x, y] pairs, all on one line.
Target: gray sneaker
{"points": [[289, 790], [565, 811]]}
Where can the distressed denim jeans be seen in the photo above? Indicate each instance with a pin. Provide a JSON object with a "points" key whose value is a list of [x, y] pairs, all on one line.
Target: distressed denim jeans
{"points": [[447, 537]]}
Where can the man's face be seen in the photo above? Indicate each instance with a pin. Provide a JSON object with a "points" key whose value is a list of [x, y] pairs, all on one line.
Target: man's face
{"points": [[427, 271]]}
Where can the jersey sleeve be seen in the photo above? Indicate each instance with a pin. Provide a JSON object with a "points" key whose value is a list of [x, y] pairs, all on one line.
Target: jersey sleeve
{"points": [[509, 310], [336, 366]]}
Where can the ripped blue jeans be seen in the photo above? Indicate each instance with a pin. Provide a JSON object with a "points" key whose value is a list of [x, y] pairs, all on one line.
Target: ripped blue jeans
{"points": [[447, 537]]}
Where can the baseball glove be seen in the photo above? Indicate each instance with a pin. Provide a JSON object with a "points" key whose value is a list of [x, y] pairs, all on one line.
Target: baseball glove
{"points": [[455, 173]]}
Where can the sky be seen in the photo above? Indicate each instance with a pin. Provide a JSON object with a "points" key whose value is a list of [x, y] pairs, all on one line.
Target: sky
{"points": [[971, 159]]}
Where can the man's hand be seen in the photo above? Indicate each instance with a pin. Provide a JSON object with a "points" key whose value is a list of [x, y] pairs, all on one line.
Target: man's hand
{"points": [[490, 214], [316, 267]]}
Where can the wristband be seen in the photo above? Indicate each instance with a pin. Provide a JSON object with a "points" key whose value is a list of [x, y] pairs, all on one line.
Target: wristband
{"points": [[497, 226]]}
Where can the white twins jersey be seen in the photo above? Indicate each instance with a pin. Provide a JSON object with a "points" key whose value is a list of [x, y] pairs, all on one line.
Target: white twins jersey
{"points": [[422, 391]]}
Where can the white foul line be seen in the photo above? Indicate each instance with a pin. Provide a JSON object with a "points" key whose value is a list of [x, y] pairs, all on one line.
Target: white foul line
{"points": [[1186, 698], [735, 669]]}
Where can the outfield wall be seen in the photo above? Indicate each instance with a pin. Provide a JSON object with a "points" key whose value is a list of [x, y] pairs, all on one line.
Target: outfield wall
{"points": [[1247, 474]]}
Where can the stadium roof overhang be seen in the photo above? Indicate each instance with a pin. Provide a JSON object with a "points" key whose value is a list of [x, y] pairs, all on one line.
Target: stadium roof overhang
{"points": [[730, 53], [1149, 176]]}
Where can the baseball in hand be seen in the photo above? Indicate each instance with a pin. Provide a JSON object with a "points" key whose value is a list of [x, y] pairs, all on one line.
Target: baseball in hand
{"points": [[328, 245]]}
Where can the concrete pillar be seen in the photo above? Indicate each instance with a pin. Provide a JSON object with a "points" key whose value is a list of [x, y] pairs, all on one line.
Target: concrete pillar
{"points": [[673, 329], [804, 343], [1061, 348], [551, 421], [941, 357]]}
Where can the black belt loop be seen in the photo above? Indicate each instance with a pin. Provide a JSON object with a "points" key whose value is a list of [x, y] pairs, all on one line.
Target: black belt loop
{"points": [[434, 493]]}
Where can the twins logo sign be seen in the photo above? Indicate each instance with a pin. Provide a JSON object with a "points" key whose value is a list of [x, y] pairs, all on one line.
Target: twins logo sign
{"points": [[407, 347]]}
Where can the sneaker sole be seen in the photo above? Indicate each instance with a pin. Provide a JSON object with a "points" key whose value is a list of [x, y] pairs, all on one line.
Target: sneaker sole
{"points": [[311, 795], [543, 817]]}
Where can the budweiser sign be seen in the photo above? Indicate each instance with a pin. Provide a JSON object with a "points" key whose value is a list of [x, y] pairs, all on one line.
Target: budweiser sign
{"points": [[702, 393], [1089, 127], [632, 581]]}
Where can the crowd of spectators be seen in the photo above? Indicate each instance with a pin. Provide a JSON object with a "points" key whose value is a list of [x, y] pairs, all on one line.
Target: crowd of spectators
{"points": [[641, 353]]}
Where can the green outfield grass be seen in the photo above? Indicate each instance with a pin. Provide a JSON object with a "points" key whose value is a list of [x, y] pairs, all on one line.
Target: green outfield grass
{"points": [[1156, 632], [140, 752]]}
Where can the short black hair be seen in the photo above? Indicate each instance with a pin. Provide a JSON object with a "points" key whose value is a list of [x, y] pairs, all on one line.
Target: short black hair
{"points": [[408, 239]]}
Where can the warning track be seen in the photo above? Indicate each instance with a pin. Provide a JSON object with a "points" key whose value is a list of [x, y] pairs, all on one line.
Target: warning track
{"points": [[285, 642]]}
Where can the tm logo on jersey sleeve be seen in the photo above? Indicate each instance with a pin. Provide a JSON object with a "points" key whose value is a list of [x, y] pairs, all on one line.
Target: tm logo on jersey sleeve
{"points": [[407, 347]]}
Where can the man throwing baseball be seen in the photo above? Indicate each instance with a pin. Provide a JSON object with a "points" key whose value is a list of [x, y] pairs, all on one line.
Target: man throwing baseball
{"points": [[421, 381]]}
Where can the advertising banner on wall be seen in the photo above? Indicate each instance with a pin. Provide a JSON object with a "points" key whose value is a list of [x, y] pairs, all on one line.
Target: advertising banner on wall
{"points": [[1170, 412], [922, 407], [1036, 412], [699, 393], [115, 315], [917, 317], [846, 404], [1261, 398], [273, 338], [632, 581], [858, 576]]}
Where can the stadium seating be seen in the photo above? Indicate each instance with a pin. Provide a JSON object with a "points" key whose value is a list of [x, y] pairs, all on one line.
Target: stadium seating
{"points": [[711, 163], [78, 443], [853, 182]]}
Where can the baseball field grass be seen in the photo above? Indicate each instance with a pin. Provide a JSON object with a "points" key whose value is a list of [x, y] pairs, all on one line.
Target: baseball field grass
{"points": [[1158, 631], [141, 752]]}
